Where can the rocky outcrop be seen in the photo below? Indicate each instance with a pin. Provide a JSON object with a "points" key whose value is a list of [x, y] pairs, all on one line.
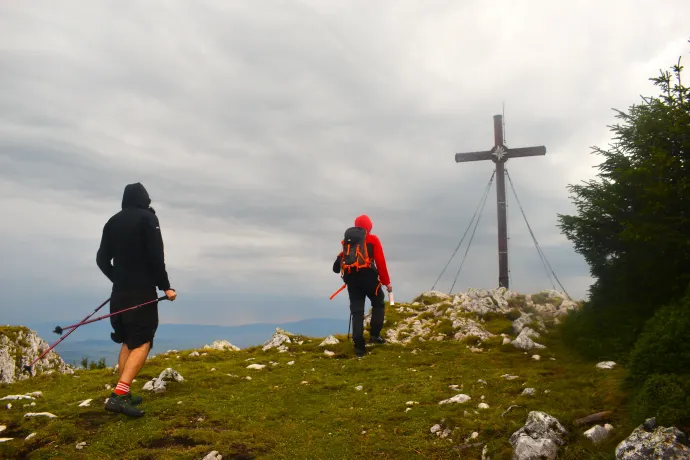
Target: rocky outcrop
{"points": [[650, 441], [19, 346], [158, 384], [539, 439], [221, 345]]}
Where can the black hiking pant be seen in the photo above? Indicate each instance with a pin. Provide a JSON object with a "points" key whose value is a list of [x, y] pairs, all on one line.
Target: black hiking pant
{"points": [[360, 286]]}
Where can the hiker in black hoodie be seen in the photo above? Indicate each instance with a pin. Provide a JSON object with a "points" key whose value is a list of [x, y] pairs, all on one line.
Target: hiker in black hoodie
{"points": [[132, 239]]}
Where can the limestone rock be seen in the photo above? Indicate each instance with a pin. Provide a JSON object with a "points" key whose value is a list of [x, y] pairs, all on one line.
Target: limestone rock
{"points": [[606, 365], [213, 455], [459, 399], [330, 340], [19, 346], [598, 433], [157, 384], [524, 340], [539, 439], [650, 441], [222, 345], [279, 338]]}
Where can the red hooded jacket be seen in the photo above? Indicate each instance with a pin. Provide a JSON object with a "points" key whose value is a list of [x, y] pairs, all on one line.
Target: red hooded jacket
{"points": [[379, 258]]}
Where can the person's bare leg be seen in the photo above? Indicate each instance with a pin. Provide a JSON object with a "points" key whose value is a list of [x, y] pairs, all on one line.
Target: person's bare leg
{"points": [[122, 360], [135, 361]]}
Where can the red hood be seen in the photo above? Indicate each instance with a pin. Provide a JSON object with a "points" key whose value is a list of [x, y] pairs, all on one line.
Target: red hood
{"points": [[364, 222]]}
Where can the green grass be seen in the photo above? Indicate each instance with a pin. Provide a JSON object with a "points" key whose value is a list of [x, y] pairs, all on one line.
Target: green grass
{"points": [[274, 415]]}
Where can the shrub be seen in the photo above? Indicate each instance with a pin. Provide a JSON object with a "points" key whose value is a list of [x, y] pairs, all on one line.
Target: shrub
{"points": [[666, 397], [663, 346]]}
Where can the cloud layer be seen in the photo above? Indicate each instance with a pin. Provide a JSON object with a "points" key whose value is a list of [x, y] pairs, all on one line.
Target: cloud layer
{"points": [[262, 129]]}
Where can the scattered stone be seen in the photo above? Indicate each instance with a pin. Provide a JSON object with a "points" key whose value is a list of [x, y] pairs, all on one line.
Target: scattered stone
{"points": [[222, 345], [85, 403], [359, 388], [598, 433], [304, 382], [278, 340], [524, 340], [474, 435], [411, 403], [509, 409], [5, 439], [540, 438], [506, 341], [247, 378], [108, 386], [80, 446], [529, 392], [459, 399], [40, 414], [483, 382], [650, 441], [606, 365], [213, 455], [213, 369], [435, 429], [291, 363], [328, 353], [2, 428], [204, 354], [30, 436], [536, 357], [193, 354], [483, 406], [408, 410], [256, 366], [157, 384], [330, 340], [9, 406], [510, 377]]}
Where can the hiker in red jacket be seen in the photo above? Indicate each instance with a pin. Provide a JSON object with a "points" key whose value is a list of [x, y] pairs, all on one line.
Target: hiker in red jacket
{"points": [[365, 280]]}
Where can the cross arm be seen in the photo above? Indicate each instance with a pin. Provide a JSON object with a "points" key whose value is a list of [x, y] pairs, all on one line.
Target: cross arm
{"points": [[473, 156], [526, 152]]}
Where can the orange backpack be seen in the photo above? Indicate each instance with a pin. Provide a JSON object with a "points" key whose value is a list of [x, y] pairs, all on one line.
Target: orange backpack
{"points": [[355, 252]]}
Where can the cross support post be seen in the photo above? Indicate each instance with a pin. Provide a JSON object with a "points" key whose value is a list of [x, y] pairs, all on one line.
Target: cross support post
{"points": [[499, 154]]}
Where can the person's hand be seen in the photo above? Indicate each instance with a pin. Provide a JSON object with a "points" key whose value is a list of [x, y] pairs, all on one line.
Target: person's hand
{"points": [[171, 294], [390, 288]]}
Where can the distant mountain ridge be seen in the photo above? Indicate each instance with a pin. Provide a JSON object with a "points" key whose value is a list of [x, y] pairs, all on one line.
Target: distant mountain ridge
{"points": [[93, 340]]}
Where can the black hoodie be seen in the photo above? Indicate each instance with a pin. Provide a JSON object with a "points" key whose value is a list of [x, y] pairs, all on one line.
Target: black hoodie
{"points": [[132, 240]]}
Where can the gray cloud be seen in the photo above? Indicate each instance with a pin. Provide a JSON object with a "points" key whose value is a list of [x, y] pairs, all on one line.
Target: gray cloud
{"points": [[261, 131]]}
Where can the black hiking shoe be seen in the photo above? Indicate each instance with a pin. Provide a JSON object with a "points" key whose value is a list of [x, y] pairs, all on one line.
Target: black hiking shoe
{"points": [[135, 400], [122, 404], [377, 339], [360, 352]]}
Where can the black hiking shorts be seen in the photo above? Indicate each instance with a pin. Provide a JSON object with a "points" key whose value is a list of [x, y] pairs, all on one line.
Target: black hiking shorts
{"points": [[135, 327]]}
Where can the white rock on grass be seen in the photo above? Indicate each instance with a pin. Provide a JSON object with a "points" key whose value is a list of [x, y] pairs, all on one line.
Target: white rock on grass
{"points": [[6, 439], [222, 345], [457, 399], [411, 403], [358, 387], [524, 340], [529, 392], [80, 446], [650, 441], [536, 357], [330, 340], [256, 366], [2, 428], [510, 377], [483, 406], [213, 455], [193, 354], [85, 403], [540, 438], [30, 436], [40, 414], [157, 384], [328, 353], [290, 363], [606, 365], [598, 433], [279, 339]]}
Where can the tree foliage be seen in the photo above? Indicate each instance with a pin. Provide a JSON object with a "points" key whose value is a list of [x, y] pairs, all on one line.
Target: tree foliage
{"points": [[633, 222]]}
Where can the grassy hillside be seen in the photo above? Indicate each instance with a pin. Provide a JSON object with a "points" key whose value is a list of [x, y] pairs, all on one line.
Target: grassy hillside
{"points": [[313, 408]]}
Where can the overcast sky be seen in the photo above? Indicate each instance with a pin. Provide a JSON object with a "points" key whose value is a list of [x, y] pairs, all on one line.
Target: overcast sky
{"points": [[261, 129]]}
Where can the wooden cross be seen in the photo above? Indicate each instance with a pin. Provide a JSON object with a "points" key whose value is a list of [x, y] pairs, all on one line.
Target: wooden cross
{"points": [[499, 154]]}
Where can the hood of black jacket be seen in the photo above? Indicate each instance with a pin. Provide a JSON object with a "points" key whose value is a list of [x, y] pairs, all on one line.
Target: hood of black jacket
{"points": [[135, 196]]}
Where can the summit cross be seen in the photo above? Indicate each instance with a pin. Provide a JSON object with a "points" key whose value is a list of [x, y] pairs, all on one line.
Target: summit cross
{"points": [[499, 154]]}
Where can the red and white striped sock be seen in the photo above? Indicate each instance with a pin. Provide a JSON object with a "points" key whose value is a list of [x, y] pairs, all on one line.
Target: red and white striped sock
{"points": [[122, 388]]}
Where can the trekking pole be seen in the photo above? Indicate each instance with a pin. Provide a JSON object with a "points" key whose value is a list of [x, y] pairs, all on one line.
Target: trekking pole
{"points": [[348, 327], [58, 330], [165, 297]]}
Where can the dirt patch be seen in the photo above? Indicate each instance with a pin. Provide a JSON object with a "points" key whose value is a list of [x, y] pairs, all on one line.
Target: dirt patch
{"points": [[172, 441], [93, 420]]}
